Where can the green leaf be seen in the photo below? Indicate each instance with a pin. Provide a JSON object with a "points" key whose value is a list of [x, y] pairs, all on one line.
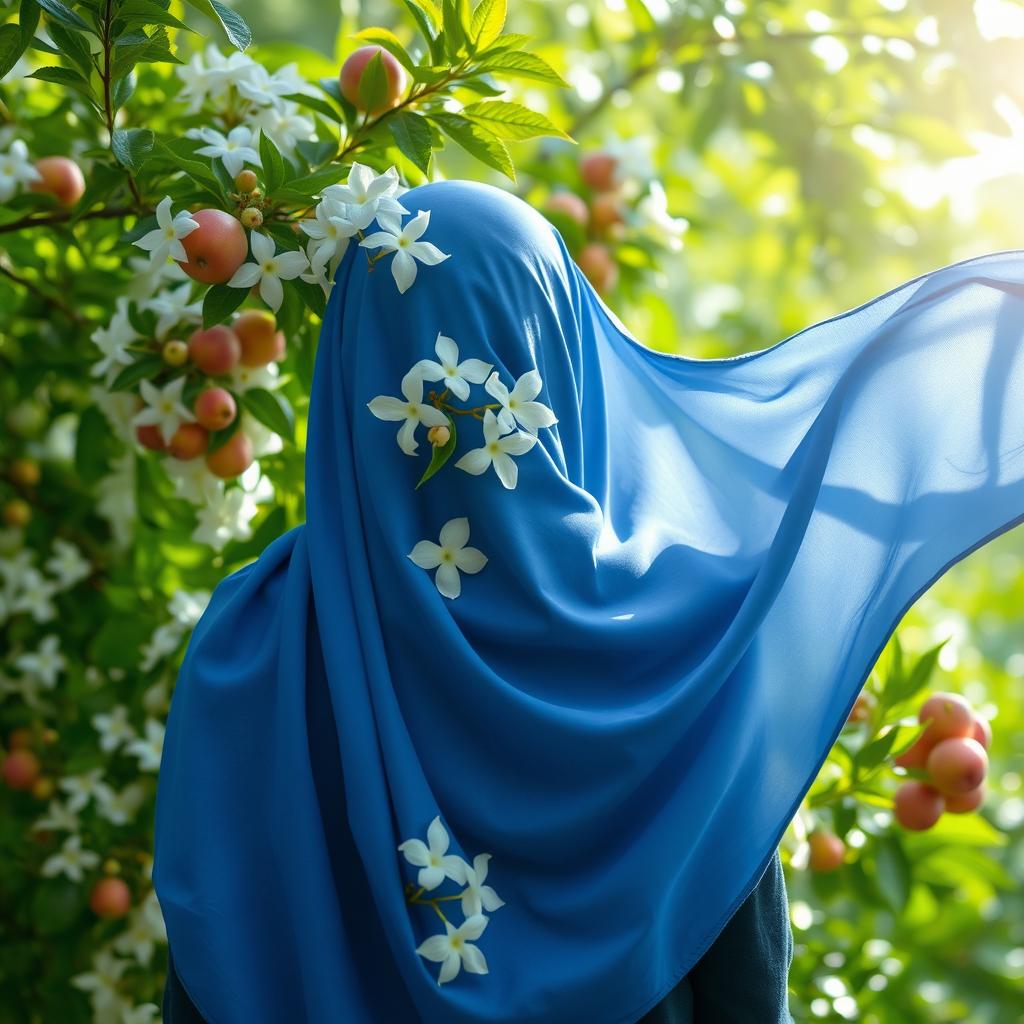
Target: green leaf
{"points": [[28, 20], [131, 146], [477, 140], [512, 120], [454, 15], [412, 136], [311, 294], [517, 64], [11, 47], [427, 26], [273, 163], [315, 103], [63, 76], [72, 45], [430, 10], [440, 455], [893, 873], [234, 25], [907, 684], [55, 9], [373, 85], [122, 91], [271, 409], [874, 753], [220, 302], [488, 21], [147, 12], [145, 366], [390, 42]]}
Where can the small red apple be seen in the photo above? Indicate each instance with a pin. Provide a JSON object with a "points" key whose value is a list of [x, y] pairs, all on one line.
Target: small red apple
{"points": [[947, 714], [215, 249], [957, 765], [917, 806], [605, 211], [964, 803], [215, 350], [231, 458], [569, 204], [110, 897], [261, 342], [352, 72], [215, 408], [827, 851], [149, 436], [599, 266], [61, 177], [982, 731], [188, 441], [598, 170], [21, 769]]}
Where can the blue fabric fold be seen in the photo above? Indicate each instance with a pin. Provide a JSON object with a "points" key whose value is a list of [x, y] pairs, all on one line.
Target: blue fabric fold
{"points": [[698, 566]]}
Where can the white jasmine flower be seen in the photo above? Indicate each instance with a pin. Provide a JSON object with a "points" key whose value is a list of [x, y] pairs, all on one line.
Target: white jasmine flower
{"points": [[330, 231], [413, 410], [85, 787], [191, 478], [269, 269], [450, 556], [497, 451], [211, 75], [164, 408], [145, 928], [113, 341], [33, 593], [165, 240], [114, 728], [234, 150], [173, 307], [456, 376], [654, 215], [318, 272], [16, 169], [366, 195], [46, 664], [477, 897], [433, 860], [71, 860], [187, 606], [407, 248], [150, 749], [245, 377], [518, 406], [284, 124], [454, 950], [225, 516], [58, 818], [121, 808], [164, 642], [67, 563], [264, 88], [102, 982]]}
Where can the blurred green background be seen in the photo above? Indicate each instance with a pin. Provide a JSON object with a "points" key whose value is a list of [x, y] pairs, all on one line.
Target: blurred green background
{"points": [[779, 163]]}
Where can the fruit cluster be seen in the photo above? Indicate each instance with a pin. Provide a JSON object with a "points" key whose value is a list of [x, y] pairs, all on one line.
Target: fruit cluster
{"points": [[951, 758]]}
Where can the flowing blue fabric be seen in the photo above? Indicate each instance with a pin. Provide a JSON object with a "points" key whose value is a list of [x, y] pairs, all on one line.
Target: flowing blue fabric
{"points": [[684, 593]]}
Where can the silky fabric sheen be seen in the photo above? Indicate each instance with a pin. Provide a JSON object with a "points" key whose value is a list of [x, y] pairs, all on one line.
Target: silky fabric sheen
{"points": [[685, 592]]}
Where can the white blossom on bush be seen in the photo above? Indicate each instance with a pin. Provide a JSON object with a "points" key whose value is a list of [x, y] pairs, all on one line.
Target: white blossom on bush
{"points": [[164, 241], [16, 169], [234, 150], [269, 269], [71, 860]]}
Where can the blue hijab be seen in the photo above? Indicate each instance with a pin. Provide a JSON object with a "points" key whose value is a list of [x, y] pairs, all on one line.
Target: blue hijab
{"points": [[514, 744]]}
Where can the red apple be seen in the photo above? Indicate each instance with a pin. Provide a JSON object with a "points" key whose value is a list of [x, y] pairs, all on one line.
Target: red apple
{"points": [[188, 441], [149, 436], [215, 408], [965, 803], [569, 204], [62, 178], [827, 851], [957, 765], [598, 170], [215, 350], [352, 72], [917, 806], [947, 714], [599, 266], [215, 249], [605, 211], [982, 731], [21, 769], [231, 458], [261, 342], [110, 897]]}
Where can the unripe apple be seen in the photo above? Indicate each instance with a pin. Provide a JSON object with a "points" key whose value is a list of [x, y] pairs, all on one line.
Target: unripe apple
{"points": [[61, 177], [569, 204], [947, 714], [231, 458], [215, 249], [352, 72], [188, 441], [175, 352], [965, 803], [25, 472], [215, 408], [982, 731], [957, 765], [20, 738], [599, 266], [246, 181], [17, 512], [110, 897], [21, 769], [598, 171], [827, 851], [149, 436], [605, 211], [43, 788], [439, 435], [215, 350], [917, 806], [251, 217], [261, 342]]}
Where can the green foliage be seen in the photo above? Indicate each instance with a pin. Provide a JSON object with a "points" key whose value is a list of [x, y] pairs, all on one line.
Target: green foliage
{"points": [[754, 187]]}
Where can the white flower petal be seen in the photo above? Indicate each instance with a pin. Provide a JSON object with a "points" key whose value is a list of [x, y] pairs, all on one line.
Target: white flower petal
{"points": [[272, 291], [386, 408], [407, 437], [245, 276], [403, 270], [427, 555], [476, 461], [534, 415], [437, 836], [415, 850], [474, 370], [447, 580], [455, 533], [447, 351], [507, 470], [450, 968], [470, 560]]}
